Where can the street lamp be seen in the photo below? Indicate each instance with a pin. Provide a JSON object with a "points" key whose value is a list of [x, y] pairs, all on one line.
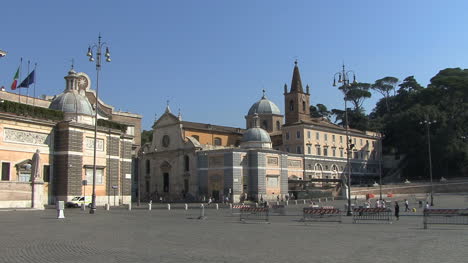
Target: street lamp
{"points": [[98, 49], [343, 77], [428, 123], [380, 165]]}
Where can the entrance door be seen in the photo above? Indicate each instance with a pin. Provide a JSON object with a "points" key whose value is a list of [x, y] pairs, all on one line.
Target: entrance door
{"points": [[166, 182]]}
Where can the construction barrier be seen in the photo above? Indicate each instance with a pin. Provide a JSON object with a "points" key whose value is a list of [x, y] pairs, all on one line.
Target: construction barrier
{"points": [[317, 214], [278, 209], [235, 210], [375, 215], [445, 217], [249, 214]]}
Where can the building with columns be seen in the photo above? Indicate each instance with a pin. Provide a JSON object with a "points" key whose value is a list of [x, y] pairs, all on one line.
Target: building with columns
{"points": [[62, 129]]}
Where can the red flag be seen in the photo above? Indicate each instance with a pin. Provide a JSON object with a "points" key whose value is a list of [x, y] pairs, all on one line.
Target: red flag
{"points": [[15, 80]]}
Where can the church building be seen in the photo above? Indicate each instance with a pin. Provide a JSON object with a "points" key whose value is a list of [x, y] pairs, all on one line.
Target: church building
{"points": [[276, 155]]}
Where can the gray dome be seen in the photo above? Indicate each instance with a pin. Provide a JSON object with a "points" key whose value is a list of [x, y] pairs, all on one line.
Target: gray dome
{"points": [[264, 106], [256, 135], [72, 102]]}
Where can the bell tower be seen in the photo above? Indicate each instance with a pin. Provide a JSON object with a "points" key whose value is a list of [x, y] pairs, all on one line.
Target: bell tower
{"points": [[296, 101]]}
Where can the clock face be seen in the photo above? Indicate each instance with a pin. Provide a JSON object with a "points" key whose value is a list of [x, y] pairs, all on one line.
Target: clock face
{"points": [[82, 82], [165, 140]]}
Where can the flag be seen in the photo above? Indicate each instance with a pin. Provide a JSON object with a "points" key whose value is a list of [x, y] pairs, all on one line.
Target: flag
{"points": [[28, 80], [15, 80]]}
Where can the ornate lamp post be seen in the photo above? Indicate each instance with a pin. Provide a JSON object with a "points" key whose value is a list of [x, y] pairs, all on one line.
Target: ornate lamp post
{"points": [[97, 48], [343, 77], [428, 123]]}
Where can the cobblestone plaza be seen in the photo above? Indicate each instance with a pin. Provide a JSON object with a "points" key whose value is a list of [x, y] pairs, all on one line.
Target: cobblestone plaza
{"points": [[160, 235]]}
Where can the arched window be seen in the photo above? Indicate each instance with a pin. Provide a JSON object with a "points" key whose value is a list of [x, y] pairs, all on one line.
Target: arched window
{"points": [[303, 106], [278, 125], [291, 105], [147, 166], [186, 163], [265, 125], [217, 141]]}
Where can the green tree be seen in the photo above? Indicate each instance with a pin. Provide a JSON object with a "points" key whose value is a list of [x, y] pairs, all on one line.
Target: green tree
{"points": [[384, 86], [320, 111], [356, 93], [146, 136]]}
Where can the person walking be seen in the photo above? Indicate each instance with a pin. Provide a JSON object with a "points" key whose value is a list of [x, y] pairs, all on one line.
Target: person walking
{"points": [[407, 206], [397, 211]]}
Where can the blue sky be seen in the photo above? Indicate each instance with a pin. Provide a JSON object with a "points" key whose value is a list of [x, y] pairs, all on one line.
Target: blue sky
{"points": [[212, 58]]}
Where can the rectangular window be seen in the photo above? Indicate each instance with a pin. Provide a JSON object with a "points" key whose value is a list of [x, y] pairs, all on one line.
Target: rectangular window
{"points": [[334, 152], [46, 173], [298, 149], [298, 134], [309, 150], [333, 137], [341, 139], [354, 141], [355, 155], [325, 136], [341, 153], [287, 135], [367, 142], [325, 151], [308, 134], [99, 173], [5, 171], [360, 142], [287, 149], [317, 136], [373, 143], [319, 152]]}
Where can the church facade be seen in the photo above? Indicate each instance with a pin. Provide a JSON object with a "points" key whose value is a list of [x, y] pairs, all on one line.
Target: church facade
{"points": [[61, 130], [276, 155]]}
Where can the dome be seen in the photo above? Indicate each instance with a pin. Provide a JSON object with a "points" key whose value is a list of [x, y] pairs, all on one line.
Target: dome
{"points": [[72, 102], [256, 135], [264, 106]]}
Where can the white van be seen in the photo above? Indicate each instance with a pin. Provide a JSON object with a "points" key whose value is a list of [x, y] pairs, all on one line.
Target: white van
{"points": [[78, 200]]}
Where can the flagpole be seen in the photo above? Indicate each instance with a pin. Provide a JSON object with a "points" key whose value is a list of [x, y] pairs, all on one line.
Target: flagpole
{"points": [[27, 83], [35, 80], [19, 90]]}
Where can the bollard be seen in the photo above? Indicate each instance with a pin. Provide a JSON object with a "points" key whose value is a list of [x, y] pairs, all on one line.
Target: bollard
{"points": [[287, 203], [168, 206], [186, 206], [202, 212], [304, 201], [319, 200], [60, 207], [129, 206], [83, 207], [230, 206], [326, 199], [107, 207], [217, 207], [295, 201], [256, 205], [149, 206]]}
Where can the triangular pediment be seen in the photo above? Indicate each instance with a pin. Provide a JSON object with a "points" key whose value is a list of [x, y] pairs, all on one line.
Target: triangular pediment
{"points": [[166, 119]]}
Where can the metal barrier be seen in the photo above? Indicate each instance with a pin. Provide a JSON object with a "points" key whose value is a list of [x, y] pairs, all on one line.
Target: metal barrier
{"points": [[320, 214], [254, 214], [445, 217], [278, 209], [372, 214]]}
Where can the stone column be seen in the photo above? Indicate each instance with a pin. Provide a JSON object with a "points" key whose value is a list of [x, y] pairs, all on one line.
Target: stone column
{"points": [[37, 200]]}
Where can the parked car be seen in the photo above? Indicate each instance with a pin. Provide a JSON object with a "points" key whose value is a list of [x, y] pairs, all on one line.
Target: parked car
{"points": [[78, 200]]}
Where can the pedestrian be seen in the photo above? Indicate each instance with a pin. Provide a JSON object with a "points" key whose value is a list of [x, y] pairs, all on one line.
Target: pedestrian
{"points": [[277, 198], [397, 211], [407, 206]]}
